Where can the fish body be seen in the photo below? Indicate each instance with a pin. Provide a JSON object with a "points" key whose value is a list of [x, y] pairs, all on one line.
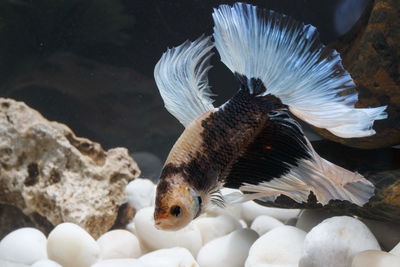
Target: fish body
{"points": [[252, 142], [205, 152]]}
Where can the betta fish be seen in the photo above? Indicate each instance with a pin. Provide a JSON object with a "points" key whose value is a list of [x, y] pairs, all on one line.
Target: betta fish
{"points": [[252, 142]]}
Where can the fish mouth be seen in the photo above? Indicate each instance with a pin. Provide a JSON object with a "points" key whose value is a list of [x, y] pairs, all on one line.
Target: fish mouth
{"points": [[158, 225], [162, 223], [166, 225]]}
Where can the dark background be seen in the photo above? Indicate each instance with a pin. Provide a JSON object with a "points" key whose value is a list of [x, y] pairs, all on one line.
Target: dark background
{"points": [[90, 63]]}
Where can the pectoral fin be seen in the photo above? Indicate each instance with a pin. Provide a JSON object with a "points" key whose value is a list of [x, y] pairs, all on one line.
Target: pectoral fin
{"points": [[181, 77]]}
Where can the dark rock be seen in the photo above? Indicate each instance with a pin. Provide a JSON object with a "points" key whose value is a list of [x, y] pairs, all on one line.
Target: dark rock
{"points": [[371, 54]]}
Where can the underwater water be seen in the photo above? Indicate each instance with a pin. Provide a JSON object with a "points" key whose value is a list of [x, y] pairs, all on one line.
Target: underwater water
{"points": [[90, 65]]}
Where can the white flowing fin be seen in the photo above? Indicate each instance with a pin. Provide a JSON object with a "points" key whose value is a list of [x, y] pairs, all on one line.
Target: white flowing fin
{"points": [[294, 66], [181, 77], [281, 160], [326, 180]]}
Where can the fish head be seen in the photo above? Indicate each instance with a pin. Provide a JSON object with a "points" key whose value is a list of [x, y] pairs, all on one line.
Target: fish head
{"points": [[177, 204]]}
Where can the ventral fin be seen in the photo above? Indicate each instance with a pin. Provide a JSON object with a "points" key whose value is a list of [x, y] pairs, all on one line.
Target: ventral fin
{"points": [[181, 77], [281, 160]]}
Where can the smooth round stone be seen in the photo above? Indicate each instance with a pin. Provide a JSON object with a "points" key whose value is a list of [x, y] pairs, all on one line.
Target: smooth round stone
{"points": [[335, 241], [71, 246], [140, 193], [46, 263], [153, 239], [234, 211], [251, 210], [170, 257], [387, 234], [5, 263], [375, 258], [24, 245], [396, 250], [119, 263], [265, 223], [131, 227], [230, 250], [119, 244], [243, 223], [213, 227], [281, 246]]}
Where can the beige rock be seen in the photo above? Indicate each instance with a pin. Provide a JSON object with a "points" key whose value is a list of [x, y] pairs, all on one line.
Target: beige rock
{"points": [[46, 171]]}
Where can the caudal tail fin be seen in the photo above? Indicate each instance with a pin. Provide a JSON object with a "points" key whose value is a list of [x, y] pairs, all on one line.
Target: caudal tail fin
{"points": [[293, 65]]}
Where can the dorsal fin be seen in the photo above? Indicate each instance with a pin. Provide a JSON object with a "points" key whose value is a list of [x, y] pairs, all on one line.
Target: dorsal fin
{"points": [[294, 66], [255, 86], [281, 160]]}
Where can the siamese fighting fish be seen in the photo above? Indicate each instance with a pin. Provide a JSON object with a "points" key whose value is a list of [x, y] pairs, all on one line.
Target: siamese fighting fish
{"points": [[253, 142]]}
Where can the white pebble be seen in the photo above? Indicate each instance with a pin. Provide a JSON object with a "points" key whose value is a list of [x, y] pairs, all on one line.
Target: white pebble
{"points": [[46, 263], [335, 241], [25, 245], [4, 263], [153, 239], [171, 257], [213, 227], [243, 223], [131, 227], [281, 246], [230, 250], [375, 258], [265, 223], [251, 210], [71, 246], [119, 263], [396, 250], [140, 193], [119, 244]]}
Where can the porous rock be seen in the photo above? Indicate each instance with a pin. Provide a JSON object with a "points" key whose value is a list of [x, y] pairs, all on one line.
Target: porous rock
{"points": [[50, 174]]}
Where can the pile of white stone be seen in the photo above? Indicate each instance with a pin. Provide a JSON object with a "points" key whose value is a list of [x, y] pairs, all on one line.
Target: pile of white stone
{"points": [[243, 235]]}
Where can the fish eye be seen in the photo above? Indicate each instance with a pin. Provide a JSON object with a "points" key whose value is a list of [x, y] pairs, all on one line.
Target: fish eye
{"points": [[176, 211], [199, 200]]}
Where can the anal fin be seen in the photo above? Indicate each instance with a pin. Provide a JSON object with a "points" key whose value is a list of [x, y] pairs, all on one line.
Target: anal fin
{"points": [[282, 161]]}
